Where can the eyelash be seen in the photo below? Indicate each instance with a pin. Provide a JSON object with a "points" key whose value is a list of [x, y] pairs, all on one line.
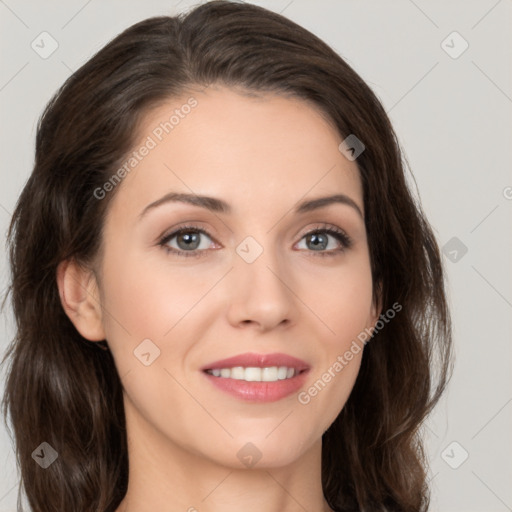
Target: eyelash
{"points": [[337, 233]]}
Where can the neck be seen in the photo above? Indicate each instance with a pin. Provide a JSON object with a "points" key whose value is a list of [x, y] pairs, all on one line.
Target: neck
{"points": [[166, 476]]}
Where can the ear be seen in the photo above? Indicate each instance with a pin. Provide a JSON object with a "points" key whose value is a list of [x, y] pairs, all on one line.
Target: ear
{"points": [[79, 296], [376, 308]]}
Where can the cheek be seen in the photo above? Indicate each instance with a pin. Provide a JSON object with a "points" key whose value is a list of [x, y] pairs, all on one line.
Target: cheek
{"points": [[321, 401], [344, 307], [342, 300], [149, 299]]}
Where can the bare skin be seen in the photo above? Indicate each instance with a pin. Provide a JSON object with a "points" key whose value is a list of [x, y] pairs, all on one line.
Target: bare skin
{"points": [[262, 156]]}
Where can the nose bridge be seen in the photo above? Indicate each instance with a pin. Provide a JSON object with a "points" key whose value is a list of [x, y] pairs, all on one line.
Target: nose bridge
{"points": [[260, 291]]}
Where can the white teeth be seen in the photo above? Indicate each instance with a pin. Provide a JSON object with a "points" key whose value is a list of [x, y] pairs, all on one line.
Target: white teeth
{"points": [[253, 374], [281, 372], [269, 374], [236, 373]]}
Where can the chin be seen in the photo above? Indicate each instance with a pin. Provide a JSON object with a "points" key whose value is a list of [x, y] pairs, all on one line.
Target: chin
{"points": [[261, 452]]}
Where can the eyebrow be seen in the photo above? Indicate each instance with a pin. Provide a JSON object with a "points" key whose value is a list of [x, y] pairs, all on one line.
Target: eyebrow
{"points": [[219, 206]]}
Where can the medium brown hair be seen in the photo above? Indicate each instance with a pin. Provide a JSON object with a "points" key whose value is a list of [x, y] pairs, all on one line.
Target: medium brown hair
{"points": [[64, 390]]}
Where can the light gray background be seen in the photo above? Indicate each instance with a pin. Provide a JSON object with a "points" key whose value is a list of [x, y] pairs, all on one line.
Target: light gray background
{"points": [[453, 118]]}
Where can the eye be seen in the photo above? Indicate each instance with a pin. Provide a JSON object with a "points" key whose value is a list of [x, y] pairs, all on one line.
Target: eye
{"points": [[189, 243], [188, 240], [318, 239]]}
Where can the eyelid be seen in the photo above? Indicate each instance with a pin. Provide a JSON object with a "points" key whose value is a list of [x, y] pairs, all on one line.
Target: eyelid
{"points": [[176, 230], [327, 227]]}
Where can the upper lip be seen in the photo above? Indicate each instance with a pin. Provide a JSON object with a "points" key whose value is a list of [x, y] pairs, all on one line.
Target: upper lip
{"points": [[258, 361]]}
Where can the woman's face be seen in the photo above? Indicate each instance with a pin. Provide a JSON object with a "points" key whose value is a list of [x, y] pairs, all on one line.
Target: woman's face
{"points": [[250, 285]]}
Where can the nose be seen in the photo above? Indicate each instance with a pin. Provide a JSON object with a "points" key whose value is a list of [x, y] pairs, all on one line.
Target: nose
{"points": [[261, 293]]}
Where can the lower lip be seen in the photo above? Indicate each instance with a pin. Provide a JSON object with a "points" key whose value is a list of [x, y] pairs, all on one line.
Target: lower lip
{"points": [[259, 391]]}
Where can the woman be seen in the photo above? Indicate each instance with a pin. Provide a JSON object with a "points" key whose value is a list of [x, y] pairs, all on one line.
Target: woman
{"points": [[225, 293]]}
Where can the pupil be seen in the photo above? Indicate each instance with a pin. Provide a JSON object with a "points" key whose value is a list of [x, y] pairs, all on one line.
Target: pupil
{"points": [[187, 237], [315, 240]]}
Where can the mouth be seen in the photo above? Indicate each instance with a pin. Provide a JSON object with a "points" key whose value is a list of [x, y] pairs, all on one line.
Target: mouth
{"points": [[255, 374], [258, 377]]}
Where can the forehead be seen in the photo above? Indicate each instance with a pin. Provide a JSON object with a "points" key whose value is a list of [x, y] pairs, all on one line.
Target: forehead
{"points": [[225, 143]]}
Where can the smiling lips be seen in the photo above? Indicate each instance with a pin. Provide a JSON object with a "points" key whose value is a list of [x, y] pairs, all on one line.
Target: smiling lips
{"points": [[258, 377]]}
